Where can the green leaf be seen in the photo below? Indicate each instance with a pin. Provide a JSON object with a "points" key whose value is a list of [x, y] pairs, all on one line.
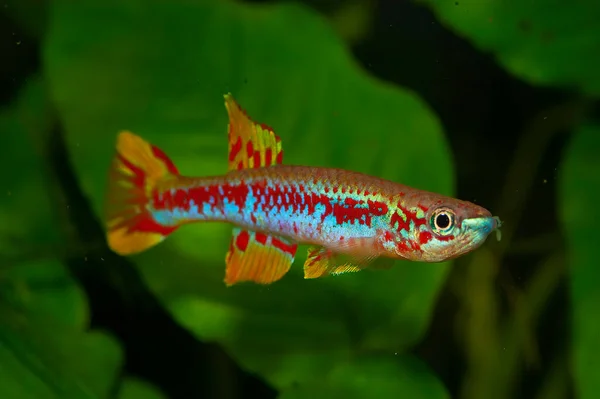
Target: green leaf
{"points": [[545, 42], [46, 359], [29, 225], [32, 279], [133, 388], [44, 289], [579, 196], [161, 70], [373, 377], [44, 349]]}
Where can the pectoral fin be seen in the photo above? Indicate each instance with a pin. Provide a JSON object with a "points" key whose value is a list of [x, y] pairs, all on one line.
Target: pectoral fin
{"points": [[323, 261]]}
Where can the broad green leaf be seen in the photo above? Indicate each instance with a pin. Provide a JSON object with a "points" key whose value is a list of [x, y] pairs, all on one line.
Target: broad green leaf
{"points": [[579, 196], [160, 70], [43, 289], [373, 377], [46, 359], [45, 351], [133, 388], [29, 226], [550, 42]]}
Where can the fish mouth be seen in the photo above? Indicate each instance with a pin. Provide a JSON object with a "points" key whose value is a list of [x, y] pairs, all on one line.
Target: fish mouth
{"points": [[484, 225]]}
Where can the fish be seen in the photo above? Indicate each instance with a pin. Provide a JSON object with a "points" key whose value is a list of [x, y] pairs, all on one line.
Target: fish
{"points": [[346, 219]]}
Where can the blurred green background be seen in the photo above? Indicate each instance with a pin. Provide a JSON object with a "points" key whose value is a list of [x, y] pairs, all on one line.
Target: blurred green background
{"points": [[494, 102]]}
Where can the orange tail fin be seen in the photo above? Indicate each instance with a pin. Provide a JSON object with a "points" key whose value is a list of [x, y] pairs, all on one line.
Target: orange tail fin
{"points": [[135, 171]]}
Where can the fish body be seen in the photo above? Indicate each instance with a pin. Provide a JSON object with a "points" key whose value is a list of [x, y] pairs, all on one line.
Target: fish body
{"points": [[348, 218]]}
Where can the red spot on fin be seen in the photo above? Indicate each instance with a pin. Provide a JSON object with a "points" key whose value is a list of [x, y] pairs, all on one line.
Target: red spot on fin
{"points": [[136, 169], [258, 257], [251, 144]]}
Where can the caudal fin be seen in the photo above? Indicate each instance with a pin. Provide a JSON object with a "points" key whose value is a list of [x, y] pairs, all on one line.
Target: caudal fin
{"points": [[136, 169]]}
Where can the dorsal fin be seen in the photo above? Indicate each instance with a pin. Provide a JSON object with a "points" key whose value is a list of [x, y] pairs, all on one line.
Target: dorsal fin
{"points": [[251, 144]]}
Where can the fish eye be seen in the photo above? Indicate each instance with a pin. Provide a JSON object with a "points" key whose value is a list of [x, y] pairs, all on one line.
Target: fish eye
{"points": [[442, 221]]}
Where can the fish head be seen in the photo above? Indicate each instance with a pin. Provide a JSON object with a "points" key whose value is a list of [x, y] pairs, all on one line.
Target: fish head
{"points": [[447, 228]]}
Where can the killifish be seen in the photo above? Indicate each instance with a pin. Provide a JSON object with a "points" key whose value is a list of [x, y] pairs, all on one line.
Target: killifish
{"points": [[347, 219]]}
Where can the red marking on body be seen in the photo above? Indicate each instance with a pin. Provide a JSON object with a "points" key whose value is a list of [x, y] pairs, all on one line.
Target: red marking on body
{"points": [[367, 192], [252, 217], [388, 236], [311, 201], [278, 197], [279, 159], [424, 237], [235, 193], [445, 238], [235, 149], [259, 185], [423, 208], [352, 202], [329, 208], [398, 223], [242, 240], [158, 153], [352, 212], [343, 190], [180, 199], [402, 247], [297, 200], [377, 208], [157, 202]]}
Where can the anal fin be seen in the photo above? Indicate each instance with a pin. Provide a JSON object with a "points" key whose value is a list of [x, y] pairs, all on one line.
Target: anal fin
{"points": [[258, 257]]}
